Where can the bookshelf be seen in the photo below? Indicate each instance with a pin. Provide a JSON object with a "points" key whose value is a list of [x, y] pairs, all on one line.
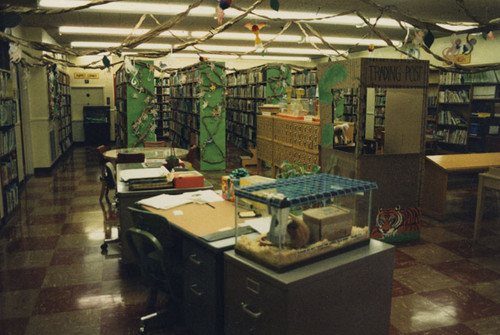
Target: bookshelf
{"points": [[247, 91], [380, 95], [8, 153], [135, 96], [306, 79], [162, 90], [468, 111], [60, 106], [198, 112]]}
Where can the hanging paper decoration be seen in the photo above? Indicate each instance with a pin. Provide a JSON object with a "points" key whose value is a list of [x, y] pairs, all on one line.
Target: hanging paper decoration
{"points": [[458, 53], [223, 4], [333, 75], [371, 47], [468, 45], [105, 61], [275, 4], [16, 54], [490, 35], [255, 28]]}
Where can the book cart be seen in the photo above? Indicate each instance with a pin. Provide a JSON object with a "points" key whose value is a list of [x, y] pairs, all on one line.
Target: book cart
{"points": [[393, 158]]}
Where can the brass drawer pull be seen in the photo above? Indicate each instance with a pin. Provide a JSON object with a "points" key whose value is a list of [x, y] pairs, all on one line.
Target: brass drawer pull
{"points": [[193, 259], [196, 292], [254, 315]]}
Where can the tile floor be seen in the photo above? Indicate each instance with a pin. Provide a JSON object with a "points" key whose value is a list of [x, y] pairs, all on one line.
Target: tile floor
{"points": [[54, 280]]}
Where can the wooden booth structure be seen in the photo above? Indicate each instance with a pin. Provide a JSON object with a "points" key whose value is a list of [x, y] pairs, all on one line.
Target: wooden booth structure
{"points": [[386, 100]]}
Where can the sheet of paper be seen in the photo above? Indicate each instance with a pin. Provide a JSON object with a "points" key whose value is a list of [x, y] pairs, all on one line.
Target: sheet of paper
{"points": [[126, 175], [202, 196], [261, 225], [165, 201]]}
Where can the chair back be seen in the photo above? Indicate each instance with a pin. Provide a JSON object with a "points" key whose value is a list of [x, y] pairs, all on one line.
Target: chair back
{"points": [[100, 154], [155, 144], [130, 157], [109, 175], [149, 253]]}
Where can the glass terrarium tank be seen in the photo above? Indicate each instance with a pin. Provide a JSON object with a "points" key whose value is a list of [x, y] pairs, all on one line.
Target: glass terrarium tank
{"points": [[310, 217]]}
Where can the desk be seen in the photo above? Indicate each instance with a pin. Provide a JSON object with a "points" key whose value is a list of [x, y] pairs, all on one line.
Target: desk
{"points": [[127, 198], [346, 294], [203, 282], [150, 153], [491, 180], [437, 169]]}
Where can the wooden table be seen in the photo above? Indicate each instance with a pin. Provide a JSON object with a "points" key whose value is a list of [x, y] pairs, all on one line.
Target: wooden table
{"points": [[150, 153], [491, 180], [437, 170]]}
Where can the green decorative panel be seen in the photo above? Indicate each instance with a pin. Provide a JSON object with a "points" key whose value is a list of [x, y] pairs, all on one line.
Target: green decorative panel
{"points": [[278, 77], [212, 79], [140, 105]]}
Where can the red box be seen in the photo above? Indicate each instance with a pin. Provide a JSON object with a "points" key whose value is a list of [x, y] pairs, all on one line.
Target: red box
{"points": [[188, 179]]}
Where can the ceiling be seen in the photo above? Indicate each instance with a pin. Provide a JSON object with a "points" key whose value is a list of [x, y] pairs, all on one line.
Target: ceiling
{"points": [[429, 10]]}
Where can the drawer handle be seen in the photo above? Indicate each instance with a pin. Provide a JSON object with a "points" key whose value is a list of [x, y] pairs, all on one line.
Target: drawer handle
{"points": [[247, 310], [193, 259], [196, 292]]}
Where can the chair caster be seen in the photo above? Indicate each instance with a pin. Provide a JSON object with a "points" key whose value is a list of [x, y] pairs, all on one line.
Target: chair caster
{"points": [[104, 248]]}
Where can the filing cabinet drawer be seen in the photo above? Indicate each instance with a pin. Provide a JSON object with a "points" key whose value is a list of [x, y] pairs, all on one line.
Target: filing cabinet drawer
{"points": [[252, 304], [200, 288]]}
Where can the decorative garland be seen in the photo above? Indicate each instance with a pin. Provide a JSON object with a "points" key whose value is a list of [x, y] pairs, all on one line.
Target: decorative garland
{"points": [[391, 11]]}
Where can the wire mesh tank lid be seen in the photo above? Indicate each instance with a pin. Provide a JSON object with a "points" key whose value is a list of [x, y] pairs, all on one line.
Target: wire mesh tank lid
{"points": [[302, 190]]}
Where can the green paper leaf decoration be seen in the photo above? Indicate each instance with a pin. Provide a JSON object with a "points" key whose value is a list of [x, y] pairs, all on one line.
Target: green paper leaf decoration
{"points": [[327, 135], [339, 109], [105, 61], [332, 76], [275, 4]]}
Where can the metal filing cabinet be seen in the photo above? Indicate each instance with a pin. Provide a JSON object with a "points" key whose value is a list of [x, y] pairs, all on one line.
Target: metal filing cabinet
{"points": [[349, 293]]}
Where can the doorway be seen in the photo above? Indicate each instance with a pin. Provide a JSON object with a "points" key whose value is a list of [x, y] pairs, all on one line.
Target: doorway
{"points": [[80, 97]]}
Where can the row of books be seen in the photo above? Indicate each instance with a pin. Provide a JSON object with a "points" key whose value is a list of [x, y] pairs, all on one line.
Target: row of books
{"points": [[247, 77], [162, 90], [162, 82], [257, 91], [304, 78], [452, 78], [162, 107], [241, 130], [249, 119], [7, 141], [185, 91], [185, 77], [12, 197], [451, 118], [454, 96], [186, 105], [239, 141], [458, 136], [8, 170], [5, 85], [8, 113], [243, 105], [432, 100]]}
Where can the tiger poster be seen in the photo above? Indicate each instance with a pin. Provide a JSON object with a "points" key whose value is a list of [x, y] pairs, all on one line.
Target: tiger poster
{"points": [[396, 225]]}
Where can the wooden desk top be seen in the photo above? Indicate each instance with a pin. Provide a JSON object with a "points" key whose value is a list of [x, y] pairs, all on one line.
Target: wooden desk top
{"points": [[465, 162], [200, 219]]}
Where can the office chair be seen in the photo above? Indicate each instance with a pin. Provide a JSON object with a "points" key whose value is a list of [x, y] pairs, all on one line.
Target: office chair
{"points": [[159, 255], [107, 174], [130, 157], [155, 144]]}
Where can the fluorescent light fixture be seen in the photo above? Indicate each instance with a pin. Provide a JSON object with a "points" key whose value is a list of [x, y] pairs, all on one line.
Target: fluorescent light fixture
{"points": [[212, 56], [299, 51], [207, 11], [222, 36], [278, 58], [85, 44], [131, 7], [458, 27], [114, 31]]}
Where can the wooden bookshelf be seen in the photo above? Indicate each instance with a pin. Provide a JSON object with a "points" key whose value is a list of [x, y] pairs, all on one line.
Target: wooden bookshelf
{"points": [[247, 91], [60, 106], [468, 111], [8, 153], [162, 90]]}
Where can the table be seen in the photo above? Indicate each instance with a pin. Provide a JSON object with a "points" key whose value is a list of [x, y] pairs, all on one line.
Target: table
{"points": [[150, 153], [491, 180], [437, 170], [127, 198], [346, 294]]}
